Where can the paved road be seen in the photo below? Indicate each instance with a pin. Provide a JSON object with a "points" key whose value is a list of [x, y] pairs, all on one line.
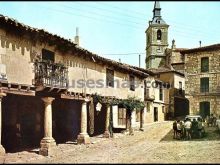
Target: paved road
{"points": [[143, 147]]}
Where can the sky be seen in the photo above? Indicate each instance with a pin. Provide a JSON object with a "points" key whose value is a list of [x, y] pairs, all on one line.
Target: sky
{"points": [[116, 29]]}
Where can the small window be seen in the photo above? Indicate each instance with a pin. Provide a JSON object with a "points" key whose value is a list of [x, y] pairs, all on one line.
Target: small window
{"points": [[204, 64], [47, 55], [180, 88], [159, 34], [132, 86], [161, 93], [204, 84], [110, 77], [146, 90], [180, 85]]}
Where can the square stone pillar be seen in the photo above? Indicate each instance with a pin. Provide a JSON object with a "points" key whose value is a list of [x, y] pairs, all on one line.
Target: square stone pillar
{"points": [[48, 143], [107, 123], [83, 137], [2, 150]]}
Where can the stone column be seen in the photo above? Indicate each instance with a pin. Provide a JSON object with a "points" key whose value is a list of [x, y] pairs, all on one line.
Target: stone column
{"points": [[48, 143], [107, 122], [133, 121], [2, 150], [142, 120], [83, 137]]}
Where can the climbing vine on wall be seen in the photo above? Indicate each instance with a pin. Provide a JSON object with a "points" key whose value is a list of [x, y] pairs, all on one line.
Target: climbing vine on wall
{"points": [[130, 103]]}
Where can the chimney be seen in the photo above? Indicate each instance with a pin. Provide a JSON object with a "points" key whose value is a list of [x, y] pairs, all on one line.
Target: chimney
{"points": [[76, 39], [173, 44], [200, 43]]}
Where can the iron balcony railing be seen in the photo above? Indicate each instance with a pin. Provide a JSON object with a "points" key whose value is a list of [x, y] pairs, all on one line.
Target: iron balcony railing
{"points": [[50, 74], [179, 92]]}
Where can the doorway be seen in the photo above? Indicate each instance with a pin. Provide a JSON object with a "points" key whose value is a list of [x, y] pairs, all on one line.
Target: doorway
{"points": [[155, 114], [204, 109]]}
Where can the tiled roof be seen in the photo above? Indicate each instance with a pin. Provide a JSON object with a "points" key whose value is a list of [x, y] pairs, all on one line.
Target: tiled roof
{"points": [[179, 49], [204, 48], [21, 28], [165, 70]]}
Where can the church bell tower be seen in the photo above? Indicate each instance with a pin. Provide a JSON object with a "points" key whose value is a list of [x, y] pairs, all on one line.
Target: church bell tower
{"points": [[156, 39]]}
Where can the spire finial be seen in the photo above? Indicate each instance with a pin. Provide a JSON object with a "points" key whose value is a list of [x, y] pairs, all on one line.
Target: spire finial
{"points": [[157, 5], [173, 44], [76, 39], [157, 9]]}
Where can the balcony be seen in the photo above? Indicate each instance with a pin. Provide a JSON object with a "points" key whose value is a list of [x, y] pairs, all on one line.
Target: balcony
{"points": [[147, 95], [50, 74], [179, 92]]}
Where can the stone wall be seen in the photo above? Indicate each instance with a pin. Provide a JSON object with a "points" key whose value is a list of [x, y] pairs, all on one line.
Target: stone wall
{"points": [[149, 115], [193, 75], [195, 104], [176, 57], [155, 47]]}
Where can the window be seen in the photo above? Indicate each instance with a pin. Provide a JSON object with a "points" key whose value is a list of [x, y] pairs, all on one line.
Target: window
{"points": [[161, 93], [47, 55], [132, 86], [204, 64], [121, 116], [204, 84], [146, 90], [159, 34], [204, 109], [180, 85], [110, 77]]}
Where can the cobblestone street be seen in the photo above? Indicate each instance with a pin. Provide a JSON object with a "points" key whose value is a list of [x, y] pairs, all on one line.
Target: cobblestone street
{"points": [[143, 147]]}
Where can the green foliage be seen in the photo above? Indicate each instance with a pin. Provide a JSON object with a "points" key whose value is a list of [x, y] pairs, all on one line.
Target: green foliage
{"points": [[130, 103], [102, 100]]}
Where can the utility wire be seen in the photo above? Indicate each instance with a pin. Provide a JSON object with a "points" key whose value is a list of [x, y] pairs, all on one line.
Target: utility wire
{"points": [[127, 21], [122, 54], [197, 27], [183, 34]]}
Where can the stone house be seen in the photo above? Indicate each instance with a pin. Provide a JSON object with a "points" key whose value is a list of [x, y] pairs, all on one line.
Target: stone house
{"points": [[202, 73], [174, 58], [156, 97], [43, 96], [176, 101]]}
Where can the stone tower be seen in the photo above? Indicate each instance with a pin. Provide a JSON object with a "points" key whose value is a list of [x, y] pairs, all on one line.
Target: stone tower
{"points": [[156, 39]]}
